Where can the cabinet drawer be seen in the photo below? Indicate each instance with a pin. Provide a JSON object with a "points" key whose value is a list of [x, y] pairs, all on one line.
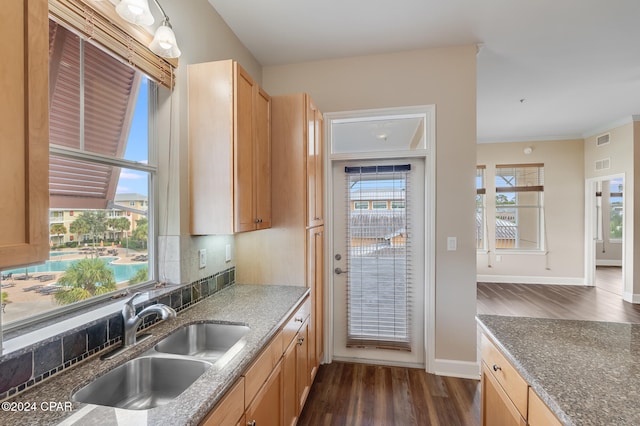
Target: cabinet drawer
{"points": [[229, 409], [261, 368], [292, 326], [539, 413], [505, 374]]}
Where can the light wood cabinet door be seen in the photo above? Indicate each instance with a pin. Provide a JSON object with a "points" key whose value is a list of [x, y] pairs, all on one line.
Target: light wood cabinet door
{"points": [[315, 173], [302, 366], [24, 133], [266, 408], [262, 159], [315, 280], [244, 151], [230, 410], [289, 380], [497, 409], [539, 413], [229, 150]]}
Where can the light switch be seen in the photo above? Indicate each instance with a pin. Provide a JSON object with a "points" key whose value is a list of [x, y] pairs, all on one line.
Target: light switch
{"points": [[227, 255], [202, 255], [452, 243]]}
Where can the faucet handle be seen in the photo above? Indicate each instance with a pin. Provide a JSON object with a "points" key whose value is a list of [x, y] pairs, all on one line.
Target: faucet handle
{"points": [[130, 301]]}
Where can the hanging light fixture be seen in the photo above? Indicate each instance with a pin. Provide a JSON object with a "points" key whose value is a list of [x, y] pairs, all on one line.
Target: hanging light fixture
{"points": [[164, 40]]}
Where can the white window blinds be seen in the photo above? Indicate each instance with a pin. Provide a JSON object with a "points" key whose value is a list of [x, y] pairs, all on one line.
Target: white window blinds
{"points": [[379, 269]]}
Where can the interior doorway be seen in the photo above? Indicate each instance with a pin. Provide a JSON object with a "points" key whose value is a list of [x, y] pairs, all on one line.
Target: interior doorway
{"points": [[605, 242]]}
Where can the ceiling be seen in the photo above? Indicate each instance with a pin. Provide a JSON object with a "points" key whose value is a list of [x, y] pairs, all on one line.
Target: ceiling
{"points": [[547, 69]]}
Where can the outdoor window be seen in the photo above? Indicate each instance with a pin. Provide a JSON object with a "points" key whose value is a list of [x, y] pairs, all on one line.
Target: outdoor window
{"points": [[397, 205], [519, 206], [616, 193], [480, 208], [379, 282], [102, 166], [379, 205], [360, 205]]}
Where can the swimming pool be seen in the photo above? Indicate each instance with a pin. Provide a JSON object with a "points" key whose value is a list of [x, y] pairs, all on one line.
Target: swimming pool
{"points": [[121, 272], [61, 253]]}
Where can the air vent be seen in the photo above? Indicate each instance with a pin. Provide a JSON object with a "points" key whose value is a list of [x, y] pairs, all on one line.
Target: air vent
{"points": [[603, 139], [603, 164]]}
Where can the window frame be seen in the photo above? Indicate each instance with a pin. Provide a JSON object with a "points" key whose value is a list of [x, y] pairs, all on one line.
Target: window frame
{"points": [[150, 167], [519, 207], [481, 208]]}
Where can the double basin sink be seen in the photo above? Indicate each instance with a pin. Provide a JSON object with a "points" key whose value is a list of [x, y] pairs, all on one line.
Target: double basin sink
{"points": [[165, 371]]}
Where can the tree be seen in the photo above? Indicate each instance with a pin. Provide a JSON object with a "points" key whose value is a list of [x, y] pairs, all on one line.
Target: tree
{"points": [[84, 279], [141, 233], [5, 297], [140, 276], [121, 224], [58, 229], [92, 222]]}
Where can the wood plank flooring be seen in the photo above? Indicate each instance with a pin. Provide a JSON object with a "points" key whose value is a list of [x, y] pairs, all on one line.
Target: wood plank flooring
{"points": [[360, 394]]}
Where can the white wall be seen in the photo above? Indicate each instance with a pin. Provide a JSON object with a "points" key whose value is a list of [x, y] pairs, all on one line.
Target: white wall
{"points": [[447, 78], [202, 36], [564, 214]]}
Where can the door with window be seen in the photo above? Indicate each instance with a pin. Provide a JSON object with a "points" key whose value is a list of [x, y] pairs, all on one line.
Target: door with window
{"points": [[378, 261]]}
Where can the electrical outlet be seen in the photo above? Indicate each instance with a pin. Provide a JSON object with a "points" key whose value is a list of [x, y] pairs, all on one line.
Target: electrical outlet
{"points": [[202, 255], [227, 255]]}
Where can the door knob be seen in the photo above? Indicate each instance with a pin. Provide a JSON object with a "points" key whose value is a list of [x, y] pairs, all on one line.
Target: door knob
{"points": [[339, 271]]}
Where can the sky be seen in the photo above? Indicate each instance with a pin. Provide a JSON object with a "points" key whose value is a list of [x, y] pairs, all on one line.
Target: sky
{"points": [[132, 181]]}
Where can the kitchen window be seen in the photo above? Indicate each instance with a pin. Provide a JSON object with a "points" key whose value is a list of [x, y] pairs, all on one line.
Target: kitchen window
{"points": [[519, 206], [101, 179]]}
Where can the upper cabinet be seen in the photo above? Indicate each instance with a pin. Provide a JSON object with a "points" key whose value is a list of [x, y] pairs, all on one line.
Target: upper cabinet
{"points": [[24, 133], [229, 150], [315, 177]]}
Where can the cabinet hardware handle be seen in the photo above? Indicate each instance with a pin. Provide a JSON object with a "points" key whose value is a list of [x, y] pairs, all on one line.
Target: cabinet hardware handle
{"points": [[298, 319], [317, 218], [496, 367], [256, 221], [251, 423], [301, 341]]}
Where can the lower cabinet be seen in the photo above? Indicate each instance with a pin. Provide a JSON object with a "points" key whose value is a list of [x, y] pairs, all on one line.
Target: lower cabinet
{"points": [[274, 389], [507, 399], [266, 407]]}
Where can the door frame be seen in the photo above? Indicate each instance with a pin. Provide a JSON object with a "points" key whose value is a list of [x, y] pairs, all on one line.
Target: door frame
{"points": [[428, 114], [590, 234]]}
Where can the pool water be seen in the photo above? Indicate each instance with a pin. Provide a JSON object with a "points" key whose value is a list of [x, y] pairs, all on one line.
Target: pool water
{"points": [[121, 272]]}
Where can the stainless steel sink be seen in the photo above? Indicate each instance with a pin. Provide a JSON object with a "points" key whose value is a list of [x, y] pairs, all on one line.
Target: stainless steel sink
{"points": [[210, 341], [143, 383]]}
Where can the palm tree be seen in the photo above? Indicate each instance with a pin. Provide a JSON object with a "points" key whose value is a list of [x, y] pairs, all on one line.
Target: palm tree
{"points": [[121, 224], [140, 276], [90, 222], [84, 279], [58, 229], [141, 232], [80, 226]]}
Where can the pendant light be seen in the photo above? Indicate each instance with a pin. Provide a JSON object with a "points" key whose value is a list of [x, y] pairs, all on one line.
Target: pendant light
{"points": [[137, 12]]}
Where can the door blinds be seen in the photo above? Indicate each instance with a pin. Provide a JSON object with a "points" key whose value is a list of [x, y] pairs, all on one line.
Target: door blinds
{"points": [[378, 261]]}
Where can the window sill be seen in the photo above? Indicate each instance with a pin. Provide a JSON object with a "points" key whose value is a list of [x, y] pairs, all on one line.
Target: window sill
{"points": [[520, 252]]}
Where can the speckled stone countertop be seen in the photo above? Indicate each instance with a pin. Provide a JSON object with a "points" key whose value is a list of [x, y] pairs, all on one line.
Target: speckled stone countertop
{"points": [[262, 308], [587, 372]]}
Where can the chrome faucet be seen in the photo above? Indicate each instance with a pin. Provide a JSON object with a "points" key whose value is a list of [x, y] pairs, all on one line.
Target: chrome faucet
{"points": [[132, 321]]}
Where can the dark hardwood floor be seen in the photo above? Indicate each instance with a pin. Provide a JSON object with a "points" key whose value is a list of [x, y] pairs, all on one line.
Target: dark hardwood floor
{"points": [[359, 394]]}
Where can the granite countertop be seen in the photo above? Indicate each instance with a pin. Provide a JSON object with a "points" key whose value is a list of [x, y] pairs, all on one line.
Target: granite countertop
{"points": [[263, 308], [587, 372]]}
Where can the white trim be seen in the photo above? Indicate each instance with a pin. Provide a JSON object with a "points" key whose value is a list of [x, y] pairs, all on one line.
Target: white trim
{"points": [[455, 368], [429, 112], [608, 262], [532, 139], [378, 362], [631, 298], [521, 279]]}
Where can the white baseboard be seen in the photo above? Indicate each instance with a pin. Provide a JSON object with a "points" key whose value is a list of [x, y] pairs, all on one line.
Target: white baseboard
{"points": [[461, 369], [520, 279], [631, 298], [608, 262], [377, 362]]}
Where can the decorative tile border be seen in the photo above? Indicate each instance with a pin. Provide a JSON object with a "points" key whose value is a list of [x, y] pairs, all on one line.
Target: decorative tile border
{"points": [[46, 359]]}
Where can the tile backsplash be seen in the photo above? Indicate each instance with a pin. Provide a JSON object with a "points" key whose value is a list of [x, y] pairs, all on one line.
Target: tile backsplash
{"points": [[28, 367]]}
